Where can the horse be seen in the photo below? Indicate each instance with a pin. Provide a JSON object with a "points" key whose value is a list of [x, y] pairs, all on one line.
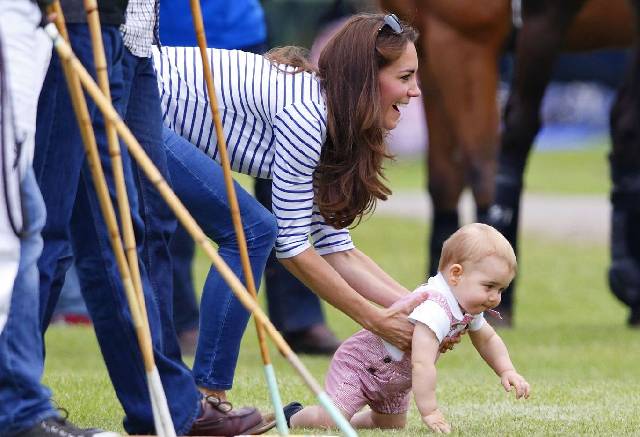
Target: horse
{"points": [[459, 47], [545, 24]]}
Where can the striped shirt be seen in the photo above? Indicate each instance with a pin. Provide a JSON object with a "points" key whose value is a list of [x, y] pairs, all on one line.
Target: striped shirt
{"points": [[274, 123]]}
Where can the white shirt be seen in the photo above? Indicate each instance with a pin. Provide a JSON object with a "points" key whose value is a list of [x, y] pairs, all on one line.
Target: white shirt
{"points": [[440, 312]]}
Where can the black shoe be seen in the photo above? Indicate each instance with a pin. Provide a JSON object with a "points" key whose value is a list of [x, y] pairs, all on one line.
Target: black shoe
{"points": [[290, 410], [315, 340], [59, 427]]}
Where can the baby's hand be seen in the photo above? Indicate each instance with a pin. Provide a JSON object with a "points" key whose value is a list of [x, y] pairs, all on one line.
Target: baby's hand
{"points": [[435, 421], [512, 378]]}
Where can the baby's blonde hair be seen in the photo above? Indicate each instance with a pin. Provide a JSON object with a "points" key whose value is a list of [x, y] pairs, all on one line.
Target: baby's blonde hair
{"points": [[474, 242]]}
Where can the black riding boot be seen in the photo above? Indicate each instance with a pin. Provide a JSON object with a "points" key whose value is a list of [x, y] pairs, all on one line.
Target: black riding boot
{"points": [[624, 272], [504, 216], [445, 223]]}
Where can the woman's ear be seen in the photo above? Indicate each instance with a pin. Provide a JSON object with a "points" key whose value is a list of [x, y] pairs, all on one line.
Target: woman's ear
{"points": [[454, 272]]}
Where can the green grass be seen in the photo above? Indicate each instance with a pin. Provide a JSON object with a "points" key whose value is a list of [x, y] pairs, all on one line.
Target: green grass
{"points": [[570, 341], [582, 171]]}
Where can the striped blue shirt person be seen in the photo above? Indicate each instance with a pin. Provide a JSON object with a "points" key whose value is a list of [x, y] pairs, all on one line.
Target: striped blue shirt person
{"points": [[320, 137], [274, 123]]}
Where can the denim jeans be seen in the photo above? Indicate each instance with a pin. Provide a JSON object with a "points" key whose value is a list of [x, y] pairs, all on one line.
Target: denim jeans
{"points": [[185, 308], [143, 116], [24, 401], [198, 181], [74, 216]]}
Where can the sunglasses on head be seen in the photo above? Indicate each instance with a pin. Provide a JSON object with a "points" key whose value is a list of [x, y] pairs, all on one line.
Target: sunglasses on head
{"points": [[393, 22]]}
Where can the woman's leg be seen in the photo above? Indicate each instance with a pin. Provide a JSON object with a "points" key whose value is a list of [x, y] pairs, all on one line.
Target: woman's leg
{"points": [[198, 181]]}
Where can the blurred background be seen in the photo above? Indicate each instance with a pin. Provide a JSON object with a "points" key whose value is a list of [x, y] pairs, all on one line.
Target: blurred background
{"points": [[576, 106]]}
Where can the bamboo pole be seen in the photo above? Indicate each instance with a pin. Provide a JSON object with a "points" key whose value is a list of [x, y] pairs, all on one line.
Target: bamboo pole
{"points": [[272, 383], [190, 224], [226, 167], [161, 415], [162, 418]]}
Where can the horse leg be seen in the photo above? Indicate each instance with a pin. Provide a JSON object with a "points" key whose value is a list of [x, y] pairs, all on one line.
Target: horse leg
{"points": [[477, 124], [624, 160], [544, 26], [440, 79], [445, 179]]}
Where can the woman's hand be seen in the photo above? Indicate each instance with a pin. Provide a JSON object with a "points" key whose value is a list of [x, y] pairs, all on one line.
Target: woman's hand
{"points": [[394, 325]]}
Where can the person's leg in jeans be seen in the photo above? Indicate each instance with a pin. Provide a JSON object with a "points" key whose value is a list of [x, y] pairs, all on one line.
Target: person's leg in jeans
{"points": [[293, 308], [58, 157], [25, 407], [68, 188], [186, 313], [198, 181], [143, 116], [24, 401]]}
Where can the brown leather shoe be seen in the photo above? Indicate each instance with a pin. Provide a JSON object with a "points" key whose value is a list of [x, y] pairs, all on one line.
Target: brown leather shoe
{"points": [[219, 418], [315, 340]]}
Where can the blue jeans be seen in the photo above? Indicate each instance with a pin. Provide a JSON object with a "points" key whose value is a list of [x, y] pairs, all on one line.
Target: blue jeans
{"points": [[24, 401], [185, 308], [143, 116], [74, 216], [198, 181]]}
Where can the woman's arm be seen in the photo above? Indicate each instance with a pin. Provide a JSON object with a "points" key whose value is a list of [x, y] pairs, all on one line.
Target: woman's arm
{"points": [[389, 323]]}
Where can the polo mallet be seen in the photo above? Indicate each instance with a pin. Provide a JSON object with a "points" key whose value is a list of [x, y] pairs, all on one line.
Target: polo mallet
{"points": [[187, 221], [269, 372], [162, 418]]}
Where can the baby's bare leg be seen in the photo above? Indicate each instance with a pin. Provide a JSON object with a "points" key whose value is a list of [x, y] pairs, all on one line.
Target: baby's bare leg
{"points": [[372, 419], [314, 417]]}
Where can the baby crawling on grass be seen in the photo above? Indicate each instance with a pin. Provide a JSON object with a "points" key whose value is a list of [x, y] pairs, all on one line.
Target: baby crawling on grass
{"points": [[476, 264]]}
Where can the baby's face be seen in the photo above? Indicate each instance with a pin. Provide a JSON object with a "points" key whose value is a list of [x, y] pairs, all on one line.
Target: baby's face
{"points": [[479, 286]]}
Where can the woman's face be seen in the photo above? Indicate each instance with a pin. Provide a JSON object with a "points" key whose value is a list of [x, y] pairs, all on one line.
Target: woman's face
{"points": [[398, 84]]}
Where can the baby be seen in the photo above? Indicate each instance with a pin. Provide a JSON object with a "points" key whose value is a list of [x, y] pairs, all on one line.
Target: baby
{"points": [[476, 264]]}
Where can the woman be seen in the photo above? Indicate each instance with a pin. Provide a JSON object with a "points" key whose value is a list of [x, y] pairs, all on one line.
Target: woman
{"points": [[320, 136]]}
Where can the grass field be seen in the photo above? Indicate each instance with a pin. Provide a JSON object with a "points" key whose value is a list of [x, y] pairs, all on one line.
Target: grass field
{"points": [[570, 338], [583, 171]]}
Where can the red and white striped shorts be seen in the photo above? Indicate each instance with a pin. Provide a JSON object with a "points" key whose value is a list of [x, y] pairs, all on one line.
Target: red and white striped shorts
{"points": [[362, 373]]}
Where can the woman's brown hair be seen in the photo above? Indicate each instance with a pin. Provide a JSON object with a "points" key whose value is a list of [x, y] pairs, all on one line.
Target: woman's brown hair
{"points": [[349, 179]]}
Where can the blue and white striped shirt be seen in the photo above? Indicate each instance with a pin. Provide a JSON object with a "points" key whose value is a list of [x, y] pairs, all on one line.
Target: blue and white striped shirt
{"points": [[274, 123]]}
